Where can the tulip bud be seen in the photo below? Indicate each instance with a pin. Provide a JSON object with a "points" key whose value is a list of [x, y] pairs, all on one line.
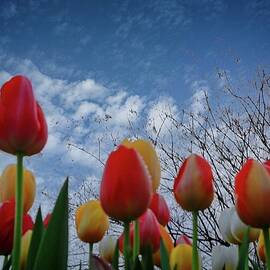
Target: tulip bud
{"points": [[181, 257], [125, 190], [160, 208], [26, 240], [183, 239], [23, 128], [252, 194], [91, 222], [8, 186], [167, 240], [224, 258], [7, 220], [261, 247], [149, 155], [193, 186], [107, 248], [149, 232]]}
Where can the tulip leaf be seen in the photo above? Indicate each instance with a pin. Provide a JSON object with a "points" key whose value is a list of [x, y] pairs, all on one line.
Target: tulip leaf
{"points": [[137, 264], [147, 258], [35, 241], [243, 252], [7, 264], [53, 250], [164, 256], [115, 261]]}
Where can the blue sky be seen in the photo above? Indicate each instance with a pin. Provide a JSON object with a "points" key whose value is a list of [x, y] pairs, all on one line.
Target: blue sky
{"points": [[100, 66]]}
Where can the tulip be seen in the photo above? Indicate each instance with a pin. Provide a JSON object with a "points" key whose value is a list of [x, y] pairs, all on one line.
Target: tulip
{"points": [[149, 232], [26, 240], [183, 239], [181, 257], [252, 192], [91, 222], [23, 127], [47, 220], [193, 186], [233, 229], [99, 264], [107, 248], [7, 218], [149, 155], [167, 240], [125, 190], [224, 258], [261, 248], [8, 186], [160, 208]]}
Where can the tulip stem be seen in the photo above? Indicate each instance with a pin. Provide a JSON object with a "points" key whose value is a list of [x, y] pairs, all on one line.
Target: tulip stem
{"points": [[136, 244], [18, 214], [195, 256], [267, 246], [90, 255], [126, 245]]}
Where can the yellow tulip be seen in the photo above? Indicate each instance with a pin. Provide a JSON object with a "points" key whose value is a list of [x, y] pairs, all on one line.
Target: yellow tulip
{"points": [[149, 155], [167, 242], [26, 240], [8, 186], [181, 257], [91, 222]]}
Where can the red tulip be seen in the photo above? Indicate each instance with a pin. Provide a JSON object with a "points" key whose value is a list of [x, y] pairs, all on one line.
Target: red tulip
{"points": [[160, 208], [252, 192], [149, 232], [23, 127], [7, 219], [125, 190], [193, 186], [47, 220]]}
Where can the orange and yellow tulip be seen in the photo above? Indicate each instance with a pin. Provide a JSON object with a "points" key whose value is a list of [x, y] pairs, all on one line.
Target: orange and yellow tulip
{"points": [[261, 247], [8, 186], [193, 186], [168, 242], [181, 257], [252, 194], [149, 155], [125, 190], [91, 222]]}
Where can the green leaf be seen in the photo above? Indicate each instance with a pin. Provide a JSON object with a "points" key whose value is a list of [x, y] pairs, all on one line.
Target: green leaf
{"points": [[7, 265], [137, 264], [243, 252], [53, 250], [164, 257], [147, 258], [115, 261], [35, 241]]}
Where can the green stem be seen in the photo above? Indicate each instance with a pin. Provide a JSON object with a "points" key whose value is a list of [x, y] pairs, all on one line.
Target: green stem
{"points": [[90, 256], [18, 215], [136, 244], [267, 246], [195, 256], [126, 245]]}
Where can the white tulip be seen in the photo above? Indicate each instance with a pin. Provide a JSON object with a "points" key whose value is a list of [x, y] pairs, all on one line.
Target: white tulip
{"points": [[224, 258], [106, 247]]}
